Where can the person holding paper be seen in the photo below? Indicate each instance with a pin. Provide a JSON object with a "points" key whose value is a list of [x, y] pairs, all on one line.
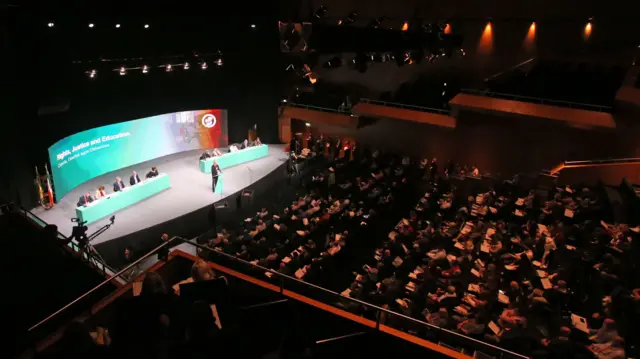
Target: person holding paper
{"points": [[100, 193], [118, 185], [134, 179], [153, 173], [85, 199]]}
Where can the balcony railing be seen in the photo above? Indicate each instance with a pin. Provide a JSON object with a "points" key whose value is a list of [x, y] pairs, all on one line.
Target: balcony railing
{"points": [[318, 108], [405, 106], [377, 318], [594, 163], [541, 101]]}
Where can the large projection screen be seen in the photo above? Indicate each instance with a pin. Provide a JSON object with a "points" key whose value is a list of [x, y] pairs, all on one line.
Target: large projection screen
{"points": [[88, 154]]}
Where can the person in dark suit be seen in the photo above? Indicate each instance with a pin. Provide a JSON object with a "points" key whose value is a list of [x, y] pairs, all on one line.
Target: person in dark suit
{"points": [[85, 199], [205, 155], [153, 172], [118, 185], [163, 253], [215, 173], [134, 179]]}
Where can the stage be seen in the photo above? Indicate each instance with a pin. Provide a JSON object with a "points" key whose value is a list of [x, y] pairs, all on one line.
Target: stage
{"points": [[190, 192]]}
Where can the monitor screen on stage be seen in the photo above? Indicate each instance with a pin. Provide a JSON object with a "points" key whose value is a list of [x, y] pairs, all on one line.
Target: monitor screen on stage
{"points": [[88, 154]]}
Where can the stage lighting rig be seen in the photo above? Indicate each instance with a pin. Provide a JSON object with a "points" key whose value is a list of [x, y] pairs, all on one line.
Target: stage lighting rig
{"points": [[377, 22], [123, 71], [168, 68], [203, 66], [145, 69], [50, 24], [349, 20], [333, 63], [319, 14], [186, 66], [92, 74]]}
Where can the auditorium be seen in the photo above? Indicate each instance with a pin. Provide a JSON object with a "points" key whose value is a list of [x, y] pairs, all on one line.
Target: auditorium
{"points": [[318, 179]]}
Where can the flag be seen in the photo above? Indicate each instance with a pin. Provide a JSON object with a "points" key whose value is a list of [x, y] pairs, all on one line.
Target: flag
{"points": [[49, 189], [40, 192]]}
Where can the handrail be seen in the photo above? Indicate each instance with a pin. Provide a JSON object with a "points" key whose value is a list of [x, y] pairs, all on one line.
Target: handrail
{"points": [[346, 336], [105, 282], [319, 108], [594, 163], [542, 101], [106, 269], [282, 277], [404, 106]]}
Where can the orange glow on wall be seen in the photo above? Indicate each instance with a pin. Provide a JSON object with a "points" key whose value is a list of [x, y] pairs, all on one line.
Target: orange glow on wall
{"points": [[485, 45], [447, 29], [587, 30], [405, 26], [530, 40]]}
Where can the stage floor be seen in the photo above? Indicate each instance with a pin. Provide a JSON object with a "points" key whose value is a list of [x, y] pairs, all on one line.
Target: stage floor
{"points": [[190, 190]]}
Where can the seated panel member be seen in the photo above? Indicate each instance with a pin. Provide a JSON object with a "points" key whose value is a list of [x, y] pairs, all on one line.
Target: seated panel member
{"points": [[118, 185], [205, 155], [100, 193], [257, 142], [134, 179], [153, 173], [85, 199], [217, 152], [245, 144]]}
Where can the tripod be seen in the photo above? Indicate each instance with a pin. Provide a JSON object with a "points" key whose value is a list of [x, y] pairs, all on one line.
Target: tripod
{"points": [[84, 241]]}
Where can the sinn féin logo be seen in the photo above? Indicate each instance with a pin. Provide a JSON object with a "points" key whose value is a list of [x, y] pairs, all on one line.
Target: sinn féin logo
{"points": [[209, 120]]}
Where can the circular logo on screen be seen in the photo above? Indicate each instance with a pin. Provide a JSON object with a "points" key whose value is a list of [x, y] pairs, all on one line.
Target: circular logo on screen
{"points": [[209, 120]]}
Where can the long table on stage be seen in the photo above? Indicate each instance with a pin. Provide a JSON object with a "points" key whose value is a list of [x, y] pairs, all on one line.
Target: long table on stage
{"points": [[121, 199], [235, 158]]}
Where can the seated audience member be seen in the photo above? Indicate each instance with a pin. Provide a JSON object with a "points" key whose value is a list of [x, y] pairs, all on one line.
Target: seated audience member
{"points": [[134, 179], [610, 350], [475, 172], [473, 326], [606, 333], [153, 173], [85, 199], [204, 156], [439, 319], [118, 185], [560, 346], [100, 193]]}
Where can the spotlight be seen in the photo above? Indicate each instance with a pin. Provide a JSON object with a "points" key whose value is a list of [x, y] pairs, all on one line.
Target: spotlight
{"points": [[123, 71], [219, 62], [91, 25], [319, 14], [117, 26], [333, 63], [145, 69], [186, 66], [350, 19], [168, 68], [50, 24], [253, 26], [308, 124], [284, 100], [92, 74], [377, 22], [203, 66], [146, 26]]}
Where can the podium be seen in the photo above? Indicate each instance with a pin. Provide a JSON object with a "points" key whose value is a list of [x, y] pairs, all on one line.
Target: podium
{"points": [[219, 184]]}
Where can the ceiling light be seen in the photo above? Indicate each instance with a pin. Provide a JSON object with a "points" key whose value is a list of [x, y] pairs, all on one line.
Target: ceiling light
{"points": [[117, 26], [169, 68], [91, 25], [145, 69], [50, 24], [123, 71], [204, 66], [146, 26], [186, 66], [92, 73], [253, 26]]}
